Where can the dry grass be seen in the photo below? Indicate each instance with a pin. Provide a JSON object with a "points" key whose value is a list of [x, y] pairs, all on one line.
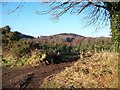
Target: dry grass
{"points": [[98, 71], [26, 61]]}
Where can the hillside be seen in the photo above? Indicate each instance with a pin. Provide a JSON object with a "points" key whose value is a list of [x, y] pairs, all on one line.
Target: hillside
{"points": [[23, 50], [98, 71], [6, 31], [71, 39]]}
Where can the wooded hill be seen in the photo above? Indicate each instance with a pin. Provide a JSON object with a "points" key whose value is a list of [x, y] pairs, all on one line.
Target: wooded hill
{"points": [[72, 39]]}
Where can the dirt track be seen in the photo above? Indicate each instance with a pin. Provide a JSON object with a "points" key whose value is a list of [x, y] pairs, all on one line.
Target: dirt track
{"points": [[29, 77]]}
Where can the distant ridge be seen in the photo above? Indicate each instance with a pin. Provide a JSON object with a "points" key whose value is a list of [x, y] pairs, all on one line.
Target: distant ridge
{"points": [[74, 35], [65, 35], [71, 34], [24, 36], [71, 39]]}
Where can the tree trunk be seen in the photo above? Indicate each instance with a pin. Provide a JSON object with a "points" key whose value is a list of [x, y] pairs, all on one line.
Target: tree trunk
{"points": [[115, 25]]}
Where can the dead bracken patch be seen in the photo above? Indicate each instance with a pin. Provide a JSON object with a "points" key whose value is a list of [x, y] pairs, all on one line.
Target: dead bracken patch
{"points": [[98, 71]]}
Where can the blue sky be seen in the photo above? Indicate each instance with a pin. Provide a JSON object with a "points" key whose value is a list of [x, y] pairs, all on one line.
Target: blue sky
{"points": [[30, 23]]}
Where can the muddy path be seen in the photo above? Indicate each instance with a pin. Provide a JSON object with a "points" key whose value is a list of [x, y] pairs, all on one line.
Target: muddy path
{"points": [[29, 77]]}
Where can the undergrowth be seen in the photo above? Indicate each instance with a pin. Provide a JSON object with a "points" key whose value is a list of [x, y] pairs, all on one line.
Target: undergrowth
{"points": [[98, 71]]}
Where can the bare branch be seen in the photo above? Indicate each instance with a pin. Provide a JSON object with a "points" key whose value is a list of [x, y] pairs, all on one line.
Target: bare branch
{"points": [[85, 6], [16, 7], [67, 8], [98, 5]]}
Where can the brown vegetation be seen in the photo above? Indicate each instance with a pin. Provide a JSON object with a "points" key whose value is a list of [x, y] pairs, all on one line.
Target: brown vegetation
{"points": [[98, 71]]}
